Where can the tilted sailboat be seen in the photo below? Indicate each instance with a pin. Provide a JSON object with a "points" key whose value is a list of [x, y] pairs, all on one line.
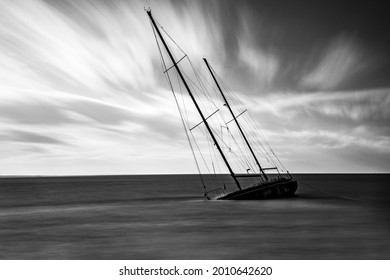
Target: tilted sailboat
{"points": [[264, 187]]}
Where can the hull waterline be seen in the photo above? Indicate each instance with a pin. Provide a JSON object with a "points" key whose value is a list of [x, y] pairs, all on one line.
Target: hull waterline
{"points": [[278, 188]]}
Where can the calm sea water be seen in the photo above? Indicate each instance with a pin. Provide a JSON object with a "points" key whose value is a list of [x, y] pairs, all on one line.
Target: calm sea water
{"points": [[165, 217]]}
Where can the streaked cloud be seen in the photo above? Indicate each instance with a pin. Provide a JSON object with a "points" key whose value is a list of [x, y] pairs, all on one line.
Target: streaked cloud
{"points": [[82, 91], [263, 65], [340, 61], [354, 105], [24, 136]]}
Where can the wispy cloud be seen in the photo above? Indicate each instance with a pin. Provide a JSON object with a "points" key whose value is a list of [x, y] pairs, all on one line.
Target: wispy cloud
{"points": [[354, 105], [324, 127], [263, 65], [29, 137], [339, 62], [82, 91]]}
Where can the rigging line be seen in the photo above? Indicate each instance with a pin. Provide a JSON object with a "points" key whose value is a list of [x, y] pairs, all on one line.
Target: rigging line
{"points": [[178, 107], [217, 162], [202, 121], [162, 28], [333, 194], [229, 135], [188, 138], [213, 156], [177, 62], [258, 141], [200, 90], [208, 142], [203, 89], [273, 152], [198, 73], [231, 97], [239, 161], [265, 152], [211, 84], [183, 101], [169, 36], [199, 76], [277, 158], [237, 116], [244, 152], [215, 174], [229, 92], [212, 151], [158, 46], [201, 101], [195, 71], [189, 142], [197, 146], [265, 140], [243, 155], [257, 138], [227, 89], [262, 136]]}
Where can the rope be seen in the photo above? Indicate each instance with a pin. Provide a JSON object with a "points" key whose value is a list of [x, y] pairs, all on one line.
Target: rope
{"points": [[178, 107], [332, 194], [188, 139], [262, 149], [202, 89]]}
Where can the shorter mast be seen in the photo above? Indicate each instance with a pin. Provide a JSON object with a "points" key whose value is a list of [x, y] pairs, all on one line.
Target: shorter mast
{"points": [[149, 12], [236, 121]]}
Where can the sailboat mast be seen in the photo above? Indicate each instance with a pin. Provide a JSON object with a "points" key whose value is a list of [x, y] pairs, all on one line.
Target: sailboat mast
{"points": [[149, 12], [236, 121]]}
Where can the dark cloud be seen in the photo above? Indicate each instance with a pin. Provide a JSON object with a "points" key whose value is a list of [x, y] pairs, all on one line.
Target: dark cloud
{"points": [[55, 115], [33, 113], [298, 32], [30, 137], [47, 113], [108, 115], [101, 113]]}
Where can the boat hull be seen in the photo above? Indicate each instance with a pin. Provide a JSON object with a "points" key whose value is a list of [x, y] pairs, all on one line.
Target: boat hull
{"points": [[277, 188]]}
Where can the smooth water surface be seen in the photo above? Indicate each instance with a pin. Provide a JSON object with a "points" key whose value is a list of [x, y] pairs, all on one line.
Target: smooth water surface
{"points": [[165, 217]]}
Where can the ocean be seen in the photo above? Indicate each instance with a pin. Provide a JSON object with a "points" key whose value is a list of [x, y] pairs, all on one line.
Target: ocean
{"points": [[332, 216]]}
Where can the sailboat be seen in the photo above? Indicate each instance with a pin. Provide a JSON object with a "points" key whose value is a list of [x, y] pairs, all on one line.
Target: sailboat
{"points": [[264, 185]]}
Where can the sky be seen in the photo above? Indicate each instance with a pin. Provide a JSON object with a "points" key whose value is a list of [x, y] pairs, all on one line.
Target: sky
{"points": [[82, 89]]}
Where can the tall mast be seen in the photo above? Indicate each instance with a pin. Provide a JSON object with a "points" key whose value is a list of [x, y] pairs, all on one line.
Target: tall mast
{"points": [[236, 121], [149, 12]]}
